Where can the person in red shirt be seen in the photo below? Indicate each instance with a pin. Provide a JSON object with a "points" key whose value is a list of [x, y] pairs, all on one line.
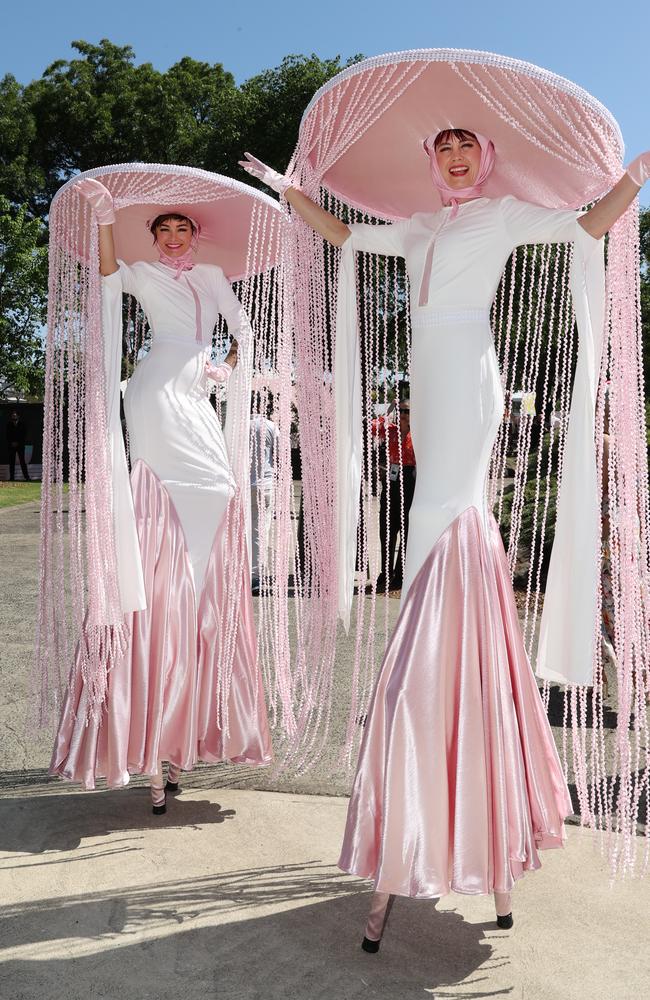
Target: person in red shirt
{"points": [[399, 455]]}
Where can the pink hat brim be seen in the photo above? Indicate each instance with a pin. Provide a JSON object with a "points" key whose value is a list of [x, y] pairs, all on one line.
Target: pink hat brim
{"points": [[224, 208], [386, 171]]}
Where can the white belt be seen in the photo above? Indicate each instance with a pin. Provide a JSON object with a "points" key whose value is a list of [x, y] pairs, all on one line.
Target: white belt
{"points": [[169, 338], [448, 317]]}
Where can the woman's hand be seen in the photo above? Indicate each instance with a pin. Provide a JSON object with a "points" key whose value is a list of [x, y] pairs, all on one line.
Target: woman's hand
{"points": [[269, 176], [639, 169], [328, 226], [99, 197], [600, 219], [101, 201], [218, 373]]}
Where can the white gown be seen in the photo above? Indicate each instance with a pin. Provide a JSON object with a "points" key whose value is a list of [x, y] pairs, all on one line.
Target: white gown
{"points": [[188, 686], [171, 424], [458, 784], [457, 399]]}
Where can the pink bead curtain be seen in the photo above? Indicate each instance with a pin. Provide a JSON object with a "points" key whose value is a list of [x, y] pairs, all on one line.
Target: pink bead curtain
{"points": [[605, 749], [79, 546]]}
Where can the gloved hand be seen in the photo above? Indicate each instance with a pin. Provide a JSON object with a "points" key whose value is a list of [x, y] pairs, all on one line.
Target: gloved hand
{"points": [[218, 373], [639, 169], [99, 197], [255, 167]]}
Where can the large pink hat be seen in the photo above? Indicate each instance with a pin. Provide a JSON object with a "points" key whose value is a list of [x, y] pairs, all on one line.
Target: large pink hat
{"points": [[224, 208], [555, 144]]}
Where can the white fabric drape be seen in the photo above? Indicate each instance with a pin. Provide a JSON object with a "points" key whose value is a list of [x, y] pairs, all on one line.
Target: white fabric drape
{"points": [[127, 548], [566, 645], [566, 641]]}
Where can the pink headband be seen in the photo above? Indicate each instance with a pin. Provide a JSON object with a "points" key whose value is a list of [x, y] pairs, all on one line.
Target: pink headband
{"points": [[451, 195]]}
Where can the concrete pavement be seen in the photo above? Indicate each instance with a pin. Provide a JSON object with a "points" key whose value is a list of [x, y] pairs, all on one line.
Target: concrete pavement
{"points": [[234, 895]]}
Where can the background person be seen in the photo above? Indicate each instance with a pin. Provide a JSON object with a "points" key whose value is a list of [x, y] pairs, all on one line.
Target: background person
{"points": [[15, 438], [398, 488]]}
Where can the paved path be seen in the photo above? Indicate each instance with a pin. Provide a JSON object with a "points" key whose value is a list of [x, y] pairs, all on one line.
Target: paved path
{"points": [[234, 895]]}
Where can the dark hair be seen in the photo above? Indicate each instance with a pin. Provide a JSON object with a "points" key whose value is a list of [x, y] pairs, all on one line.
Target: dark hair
{"points": [[456, 133], [165, 217]]}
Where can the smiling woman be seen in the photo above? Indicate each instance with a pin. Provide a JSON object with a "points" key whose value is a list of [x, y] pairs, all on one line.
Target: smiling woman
{"points": [[459, 786], [458, 155], [184, 681]]}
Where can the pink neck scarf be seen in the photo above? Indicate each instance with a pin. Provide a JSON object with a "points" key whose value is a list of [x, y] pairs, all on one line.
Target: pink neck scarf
{"points": [[183, 263], [180, 264], [451, 195]]}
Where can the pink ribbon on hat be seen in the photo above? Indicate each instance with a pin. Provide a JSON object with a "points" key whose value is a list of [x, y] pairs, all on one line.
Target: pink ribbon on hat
{"points": [[179, 264], [451, 195]]}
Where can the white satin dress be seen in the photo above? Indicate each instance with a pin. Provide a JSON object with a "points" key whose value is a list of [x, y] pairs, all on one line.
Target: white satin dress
{"points": [[162, 698], [458, 783]]}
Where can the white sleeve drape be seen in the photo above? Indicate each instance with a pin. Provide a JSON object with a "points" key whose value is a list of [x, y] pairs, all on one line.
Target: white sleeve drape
{"points": [[566, 641], [127, 548], [386, 239], [237, 425], [565, 652]]}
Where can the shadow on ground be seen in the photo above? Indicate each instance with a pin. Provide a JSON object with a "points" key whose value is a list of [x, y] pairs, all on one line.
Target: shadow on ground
{"points": [[138, 943], [60, 822]]}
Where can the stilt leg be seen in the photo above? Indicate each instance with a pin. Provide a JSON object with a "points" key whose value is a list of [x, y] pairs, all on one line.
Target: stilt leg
{"points": [[380, 907], [173, 777], [158, 796]]}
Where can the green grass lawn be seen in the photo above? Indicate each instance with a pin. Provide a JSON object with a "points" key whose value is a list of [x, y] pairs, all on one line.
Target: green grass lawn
{"points": [[12, 494]]}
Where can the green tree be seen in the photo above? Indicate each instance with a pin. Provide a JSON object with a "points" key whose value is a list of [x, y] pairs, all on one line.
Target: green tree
{"points": [[273, 103], [20, 175], [101, 108], [23, 284]]}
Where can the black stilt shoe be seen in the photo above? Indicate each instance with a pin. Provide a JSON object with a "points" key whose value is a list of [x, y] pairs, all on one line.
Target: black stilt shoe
{"points": [[158, 808]]}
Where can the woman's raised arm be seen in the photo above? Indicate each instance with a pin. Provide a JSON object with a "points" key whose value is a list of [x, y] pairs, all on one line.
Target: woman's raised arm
{"points": [[329, 227], [101, 200], [600, 219]]}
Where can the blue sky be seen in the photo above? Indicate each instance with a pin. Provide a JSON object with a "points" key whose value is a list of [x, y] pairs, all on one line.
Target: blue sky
{"points": [[604, 47]]}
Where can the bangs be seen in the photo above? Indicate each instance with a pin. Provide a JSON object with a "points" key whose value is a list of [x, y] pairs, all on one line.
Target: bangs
{"points": [[169, 216], [461, 134]]}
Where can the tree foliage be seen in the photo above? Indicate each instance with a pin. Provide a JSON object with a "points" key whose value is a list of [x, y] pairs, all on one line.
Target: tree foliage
{"points": [[99, 107], [23, 282]]}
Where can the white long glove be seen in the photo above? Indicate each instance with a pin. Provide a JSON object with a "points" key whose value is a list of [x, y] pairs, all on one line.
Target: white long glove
{"points": [[99, 197], [639, 169], [269, 176]]}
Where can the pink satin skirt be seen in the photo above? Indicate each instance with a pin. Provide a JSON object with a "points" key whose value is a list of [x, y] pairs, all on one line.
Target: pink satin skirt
{"points": [[162, 693], [458, 785]]}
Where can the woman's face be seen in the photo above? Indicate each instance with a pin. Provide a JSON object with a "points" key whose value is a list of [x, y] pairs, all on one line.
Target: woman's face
{"points": [[459, 161], [174, 236]]}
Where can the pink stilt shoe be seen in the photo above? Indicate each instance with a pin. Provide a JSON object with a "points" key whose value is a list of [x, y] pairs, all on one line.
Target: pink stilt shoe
{"points": [[380, 907], [173, 778], [158, 800], [158, 793]]}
